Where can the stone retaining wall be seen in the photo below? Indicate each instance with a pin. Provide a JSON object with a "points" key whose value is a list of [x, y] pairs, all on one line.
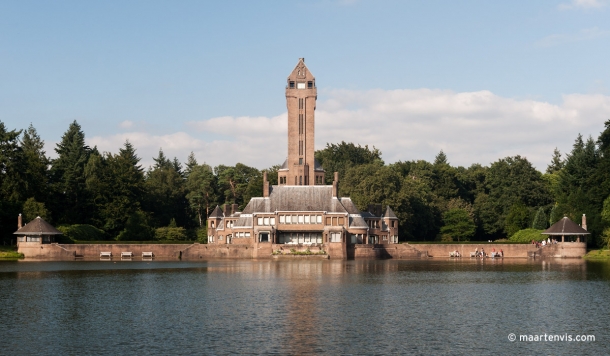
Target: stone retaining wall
{"points": [[562, 249], [33, 250]]}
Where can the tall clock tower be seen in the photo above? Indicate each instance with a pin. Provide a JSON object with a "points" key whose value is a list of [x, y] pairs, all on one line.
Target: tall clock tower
{"points": [[300, 167]]}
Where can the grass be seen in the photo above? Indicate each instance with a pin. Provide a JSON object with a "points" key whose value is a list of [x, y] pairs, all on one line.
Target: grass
{"points": [[10, 253], [598, 255]]}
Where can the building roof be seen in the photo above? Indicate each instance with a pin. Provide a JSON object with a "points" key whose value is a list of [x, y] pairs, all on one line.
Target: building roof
{"points": [[216, 213], [38, 227], [565, 227], [298, 198], [389, 213]]}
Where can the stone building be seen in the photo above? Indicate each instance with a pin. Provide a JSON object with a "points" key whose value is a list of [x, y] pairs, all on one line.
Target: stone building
{"points": [[301, 211]]}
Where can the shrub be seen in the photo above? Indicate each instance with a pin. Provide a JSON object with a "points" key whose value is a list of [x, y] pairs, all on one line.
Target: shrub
{"points": [[527, 235], [80, 232], [170, 233]]}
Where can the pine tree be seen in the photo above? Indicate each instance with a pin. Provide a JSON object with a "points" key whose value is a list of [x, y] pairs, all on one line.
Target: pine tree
{"points": [[70, 202], [539, 220], [556, 162], [37, 165]]}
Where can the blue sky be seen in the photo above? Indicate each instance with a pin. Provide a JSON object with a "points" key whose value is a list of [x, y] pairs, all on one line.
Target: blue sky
{"points": [[479, 79]]}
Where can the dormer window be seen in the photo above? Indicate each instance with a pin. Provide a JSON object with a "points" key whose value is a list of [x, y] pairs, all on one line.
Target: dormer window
{"points": [[300, 85]]}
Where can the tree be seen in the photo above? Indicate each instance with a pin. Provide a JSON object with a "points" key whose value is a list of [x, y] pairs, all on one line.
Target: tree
{"points": [[556, 163], [458, 224], [36, 167], [540, 220], [116, 185], [33, 209], [165, 193], [341, 157], [516, 219], [202, 191], [509, 182], [68, 183], [239, 183], [136, 228]]}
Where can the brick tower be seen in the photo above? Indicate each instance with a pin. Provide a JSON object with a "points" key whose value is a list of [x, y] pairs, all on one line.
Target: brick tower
{"points": [[300, 167]]}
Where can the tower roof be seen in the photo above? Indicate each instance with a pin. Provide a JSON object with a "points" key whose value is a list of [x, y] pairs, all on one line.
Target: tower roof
{"points": [[301, 72], [38, 227], [216, 213], [389, 213]]}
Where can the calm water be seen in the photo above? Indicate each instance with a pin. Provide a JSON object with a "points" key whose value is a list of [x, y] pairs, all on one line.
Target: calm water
{"points": [[302, 307]]}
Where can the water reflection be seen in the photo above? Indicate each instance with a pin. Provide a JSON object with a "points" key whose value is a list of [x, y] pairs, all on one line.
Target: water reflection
{"points": [[459, 306]]}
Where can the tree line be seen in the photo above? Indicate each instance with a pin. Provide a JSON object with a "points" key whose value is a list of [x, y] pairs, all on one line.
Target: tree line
{"points": [[109, 196]]}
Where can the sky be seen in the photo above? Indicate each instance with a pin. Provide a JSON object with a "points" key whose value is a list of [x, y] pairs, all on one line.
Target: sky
{"points": [[480, 80]]}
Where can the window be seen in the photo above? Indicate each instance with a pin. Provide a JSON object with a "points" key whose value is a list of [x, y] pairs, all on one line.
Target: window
{"points": [[272, 221], [212, 224], [300, 219], [260, 221], [309, 84], [300, 161], [328, 221], [247, 234], [300, 85], [263, 237], [291, 85], [266, 221], [307, 219], [335, 237], [319, 219], [385, 237], [301, 177], [340, 221]]}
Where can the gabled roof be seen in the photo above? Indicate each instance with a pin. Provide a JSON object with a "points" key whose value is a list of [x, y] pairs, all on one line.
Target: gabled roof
{"points": [[297, 198], [565, 227], [389, 213], [301, 72], [216, 213], [38, 227]]}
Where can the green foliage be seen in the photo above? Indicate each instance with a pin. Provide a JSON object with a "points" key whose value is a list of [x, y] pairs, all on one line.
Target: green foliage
{"points": [[555, 214], [171, 233], [516, 219], [166, 193], [458, 224], [527, 235], [32, 209], [540, 220], [68, 181], [605, 214], [343, 156], [136, 228], [202, 190], [82, 232]]}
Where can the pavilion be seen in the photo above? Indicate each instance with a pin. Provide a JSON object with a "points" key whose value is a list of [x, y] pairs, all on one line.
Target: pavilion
{"points": [[567, 227]]}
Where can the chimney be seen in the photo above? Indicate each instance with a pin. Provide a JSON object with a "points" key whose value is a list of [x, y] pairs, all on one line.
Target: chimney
{"points": [[584, 222], [265, 185], [336, 185], [19, 222]]}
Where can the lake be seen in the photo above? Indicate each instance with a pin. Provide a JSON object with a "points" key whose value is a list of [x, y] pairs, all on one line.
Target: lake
{"points": [[433, 306]]}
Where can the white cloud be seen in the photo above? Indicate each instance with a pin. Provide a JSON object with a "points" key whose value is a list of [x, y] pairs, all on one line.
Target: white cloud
{"points": [[470, 127], [583, 4], [583, 35], [126, 124]]}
